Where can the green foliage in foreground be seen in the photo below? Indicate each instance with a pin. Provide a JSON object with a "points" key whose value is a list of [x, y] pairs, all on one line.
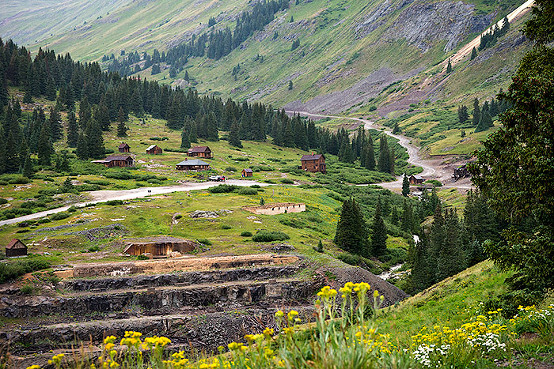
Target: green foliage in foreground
{"points": [[269, 236]]}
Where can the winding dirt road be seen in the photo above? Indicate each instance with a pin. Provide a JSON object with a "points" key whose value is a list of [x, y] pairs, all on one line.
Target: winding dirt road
{"points": [[106, 195], [432, 168]]}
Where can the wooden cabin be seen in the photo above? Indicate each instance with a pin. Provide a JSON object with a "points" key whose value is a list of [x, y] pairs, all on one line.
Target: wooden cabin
{"points": [[415, 179], [16, 248], [116, 161], [195, 164], [247, 172], [123, 147], [154, 150], [200, 152], [314, 163], [461, 172]]}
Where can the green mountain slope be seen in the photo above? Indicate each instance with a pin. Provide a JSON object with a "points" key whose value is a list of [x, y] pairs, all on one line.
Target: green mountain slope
{"points": [[348, 53]]}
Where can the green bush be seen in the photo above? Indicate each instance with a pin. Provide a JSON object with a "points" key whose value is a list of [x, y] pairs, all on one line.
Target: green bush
{"points": [[246, 234], [230, 169], [247, 191], [12, 270], [287, 181], [204, 241], [226, 226], [269, 236], [19, 180], [3, 201], [99, 182], [60, 216], [114, 202], [3, 183], [223, 188], [87, 187], [94, 248]]}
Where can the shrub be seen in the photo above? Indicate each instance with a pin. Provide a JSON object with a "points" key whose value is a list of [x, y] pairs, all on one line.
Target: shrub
{"points": [[87, 187], [114, 202], [44, 220], [3, 183], [434, 182], [19, 180], [3, 201], [222, 188], [142, 257], [246, 234], [27, 289], [287, 181], [12, 270], [204, 241], [94, 248], [269, 236], [255, 186], [99, 182], [230, 169], [60, 216], [247, 191]]}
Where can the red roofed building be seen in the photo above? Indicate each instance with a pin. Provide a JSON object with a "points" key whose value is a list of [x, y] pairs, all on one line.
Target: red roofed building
{"points": [[314, 163], [200, 152], [16, 248]]}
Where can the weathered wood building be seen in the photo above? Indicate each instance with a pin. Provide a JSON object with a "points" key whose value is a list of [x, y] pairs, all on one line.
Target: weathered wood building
{"points": [[154, 150], [274, 209], [314, 163], [116, 161], [16, 248], [123, 147], [160, 247], [415, 179], [200, 152], [247, 172], [195, 164]]}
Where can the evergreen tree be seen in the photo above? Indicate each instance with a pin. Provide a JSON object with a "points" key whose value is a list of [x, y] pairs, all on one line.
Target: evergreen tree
{"points": [[185, 138], [450, 258], [463, 116], [27, 166], [351, 234], [384, 164], [82, 147], [437, 237], [121, 127], [449, 67], [407, 223], [473, 53], [44, 148], [476, 112], [72, 130], [290, 85], [234, 139], [421, 275], [485, 122], [395, 217], [55, 123], [379, 235], [94, 140], [405, 185]]}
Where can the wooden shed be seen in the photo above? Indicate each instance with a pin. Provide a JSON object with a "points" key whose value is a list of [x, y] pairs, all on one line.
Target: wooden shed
{"points": [[123, 147], [247, 172], [195, 164], [154, 150], [16, 248], [314, 163], [415, 179], [116, 161], [200, 152]]}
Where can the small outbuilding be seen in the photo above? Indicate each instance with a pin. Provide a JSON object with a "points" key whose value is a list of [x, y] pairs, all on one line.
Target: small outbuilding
{"points": [[314, 163], [195, 164], [247, 172], [154, 150], [123, 147], [16, 248], [116, 161], [415, 179], [200, 152]]}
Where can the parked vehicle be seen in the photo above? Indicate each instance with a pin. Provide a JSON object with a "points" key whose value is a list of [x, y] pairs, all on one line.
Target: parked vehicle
{"points": [[217, 178]]}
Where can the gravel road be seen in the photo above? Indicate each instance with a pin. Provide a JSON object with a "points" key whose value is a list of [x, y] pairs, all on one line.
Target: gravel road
{"points": [[106, 195]]}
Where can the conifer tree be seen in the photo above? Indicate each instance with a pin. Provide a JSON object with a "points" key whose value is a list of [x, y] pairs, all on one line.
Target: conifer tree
{"points": [[234, 139], [351, 234], [421, 275], [476, 112], [384, 164], [72, 130], [94, 140], [55, 124], [44, 148], [485, 122], [27, 166], [121, 127], [379, 235], [449, 67], [450, 258], [185, 137], [82, 147], [473, 53], [405, 185]]}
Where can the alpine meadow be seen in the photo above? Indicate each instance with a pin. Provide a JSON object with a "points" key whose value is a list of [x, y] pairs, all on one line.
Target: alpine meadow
{"points": [[251, 184]]}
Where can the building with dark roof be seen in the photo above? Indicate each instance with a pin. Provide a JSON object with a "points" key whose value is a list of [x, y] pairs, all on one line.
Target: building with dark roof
{"points": [[116, 161], [314, 163], [16, 248], [200, 152], [195, 164], [154, 150], [247, 172], [123, 147]]}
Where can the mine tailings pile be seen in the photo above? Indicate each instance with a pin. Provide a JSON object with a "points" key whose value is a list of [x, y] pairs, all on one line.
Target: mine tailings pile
{"points": [[198, 310]]}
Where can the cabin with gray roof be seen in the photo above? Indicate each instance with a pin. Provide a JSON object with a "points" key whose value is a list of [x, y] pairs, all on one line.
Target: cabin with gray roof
{"points": [[314, 163], [195, 164]]}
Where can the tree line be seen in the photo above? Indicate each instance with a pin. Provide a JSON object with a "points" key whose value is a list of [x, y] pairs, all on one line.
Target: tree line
{"points": [[213, 44], [482, 115]]}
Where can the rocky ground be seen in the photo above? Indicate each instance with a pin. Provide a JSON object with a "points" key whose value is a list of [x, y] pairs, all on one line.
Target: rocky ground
{"points": [[209, 305]]}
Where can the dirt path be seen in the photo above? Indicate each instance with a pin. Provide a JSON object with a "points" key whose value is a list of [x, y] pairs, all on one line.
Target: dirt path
{"points": [[432, 168], [106, 195], [466, 50]]}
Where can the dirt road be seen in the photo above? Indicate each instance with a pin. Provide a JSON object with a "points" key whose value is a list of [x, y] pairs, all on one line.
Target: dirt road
{"points": [[101, 196], [432, 168]]}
